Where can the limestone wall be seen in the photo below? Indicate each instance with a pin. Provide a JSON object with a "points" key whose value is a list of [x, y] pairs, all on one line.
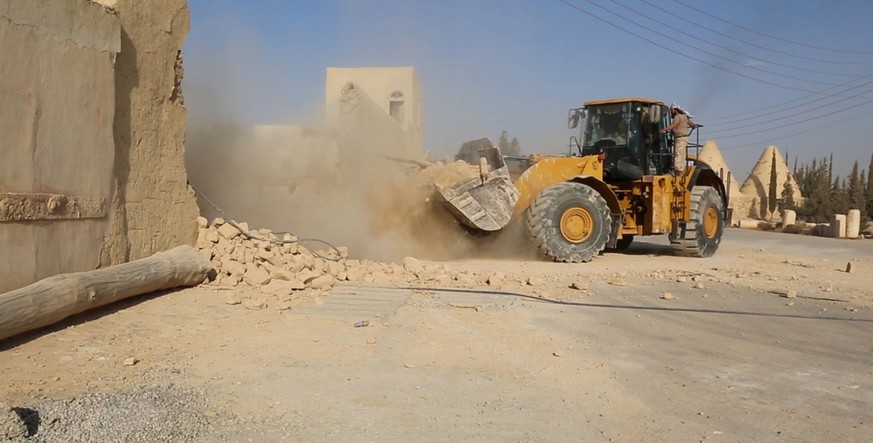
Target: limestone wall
{"points": [[92, 127], [57, 100], [153, 209]]}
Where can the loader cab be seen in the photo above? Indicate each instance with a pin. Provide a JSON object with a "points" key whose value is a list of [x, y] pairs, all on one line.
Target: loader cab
{"points": [[626, 132]]}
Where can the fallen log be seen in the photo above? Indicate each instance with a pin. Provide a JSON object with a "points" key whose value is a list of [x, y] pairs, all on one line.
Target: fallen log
{"points": [[56, 298]]}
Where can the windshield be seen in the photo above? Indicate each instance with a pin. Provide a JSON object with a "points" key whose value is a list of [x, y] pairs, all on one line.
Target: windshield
{"points": [[606, 125]]}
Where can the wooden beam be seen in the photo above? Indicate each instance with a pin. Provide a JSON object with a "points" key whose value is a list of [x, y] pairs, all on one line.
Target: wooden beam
{"points": [[56, 298]]}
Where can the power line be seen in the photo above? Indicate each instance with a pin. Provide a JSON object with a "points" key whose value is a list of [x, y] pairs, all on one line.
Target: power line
{"points": [[726, 48], [825, 91], [754, 115], [779, 85], [731, 130], [755, 31], [776, 51], [596, 17], [792, 135], [797, 122]]}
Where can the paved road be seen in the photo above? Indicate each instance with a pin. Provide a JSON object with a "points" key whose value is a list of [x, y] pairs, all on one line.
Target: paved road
{"points": [[724, 364]]}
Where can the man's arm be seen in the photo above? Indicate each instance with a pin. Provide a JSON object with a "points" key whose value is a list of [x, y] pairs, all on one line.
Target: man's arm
{"points": [[671, 127]]}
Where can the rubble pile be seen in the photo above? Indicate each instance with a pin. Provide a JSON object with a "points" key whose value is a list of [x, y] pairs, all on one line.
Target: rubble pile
{"points": [[284, 266], [259, 258]]}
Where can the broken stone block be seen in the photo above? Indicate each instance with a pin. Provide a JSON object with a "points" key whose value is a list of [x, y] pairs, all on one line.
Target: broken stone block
{"points": [[579, 285], [335, 268], [202, 222], [264, 255], [343, 251], [212, 235], [254, 304], [206, 253], [667, 296], [411, 264], [218, 222], [243, 226], [256, 277], [228, 231], [307, 275], [282, 274], [297, 264], [233, 267], [320, 266], [279, 287], [354, 274], [322, 282], [617, 281]]}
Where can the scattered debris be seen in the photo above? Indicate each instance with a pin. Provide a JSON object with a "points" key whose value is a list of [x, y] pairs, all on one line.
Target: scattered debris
{"points": [[579, 285]]}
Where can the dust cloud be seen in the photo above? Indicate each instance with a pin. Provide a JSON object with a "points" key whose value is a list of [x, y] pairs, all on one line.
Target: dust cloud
{"points": [[340, 182]]}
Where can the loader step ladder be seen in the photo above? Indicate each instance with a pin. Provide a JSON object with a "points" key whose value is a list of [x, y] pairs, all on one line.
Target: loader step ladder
{"points": [[678, 207]]}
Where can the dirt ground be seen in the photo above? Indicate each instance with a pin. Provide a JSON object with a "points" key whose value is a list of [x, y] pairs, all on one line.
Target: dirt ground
{"points": [[769, 340]]}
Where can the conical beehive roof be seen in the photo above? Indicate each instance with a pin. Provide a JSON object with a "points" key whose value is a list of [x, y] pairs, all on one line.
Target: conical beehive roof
{"points": [[711, 155], [758, 183]]}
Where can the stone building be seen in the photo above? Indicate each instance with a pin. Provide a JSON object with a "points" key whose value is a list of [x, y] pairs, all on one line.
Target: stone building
{"points": [[757, 185], [352, 97]]}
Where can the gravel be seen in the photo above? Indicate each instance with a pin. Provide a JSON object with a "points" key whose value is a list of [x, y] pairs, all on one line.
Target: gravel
{"points": [[150, 413]]}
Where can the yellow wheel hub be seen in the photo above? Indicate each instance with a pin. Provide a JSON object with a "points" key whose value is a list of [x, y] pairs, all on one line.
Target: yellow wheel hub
{"points": [[576, 225], [710, 222]]}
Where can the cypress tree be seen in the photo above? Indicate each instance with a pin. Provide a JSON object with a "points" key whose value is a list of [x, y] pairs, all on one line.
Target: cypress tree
{"points": [[771, 193], [856, 192]]}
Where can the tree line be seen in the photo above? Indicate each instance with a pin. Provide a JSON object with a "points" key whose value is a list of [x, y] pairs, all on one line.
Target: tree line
{"points": [[825, 194]]}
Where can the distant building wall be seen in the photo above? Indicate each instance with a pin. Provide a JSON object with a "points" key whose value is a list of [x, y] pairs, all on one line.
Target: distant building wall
{"points": [[57, 100], [396, 91]]}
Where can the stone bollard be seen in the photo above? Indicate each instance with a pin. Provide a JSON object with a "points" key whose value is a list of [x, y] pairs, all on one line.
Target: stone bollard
{"points": [[747, 223], [789, 217], [853, 223], [838, 226]]}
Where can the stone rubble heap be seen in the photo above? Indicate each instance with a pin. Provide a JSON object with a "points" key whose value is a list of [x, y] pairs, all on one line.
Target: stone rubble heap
{"points": [[260, 258], [284, 266]]}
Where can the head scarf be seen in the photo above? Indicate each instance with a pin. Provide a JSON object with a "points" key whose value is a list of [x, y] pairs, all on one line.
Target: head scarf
{"points": [[679, 108]]}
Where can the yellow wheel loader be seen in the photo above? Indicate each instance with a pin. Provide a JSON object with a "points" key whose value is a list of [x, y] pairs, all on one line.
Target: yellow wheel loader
{"points": [[615, 184]]}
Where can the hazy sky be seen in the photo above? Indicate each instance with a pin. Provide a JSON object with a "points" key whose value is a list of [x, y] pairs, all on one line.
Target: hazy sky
{"points": [[797, 74]]}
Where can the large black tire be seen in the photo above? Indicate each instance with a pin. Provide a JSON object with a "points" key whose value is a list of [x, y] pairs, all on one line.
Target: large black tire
{"points": [[705, 227], [569, 222]]}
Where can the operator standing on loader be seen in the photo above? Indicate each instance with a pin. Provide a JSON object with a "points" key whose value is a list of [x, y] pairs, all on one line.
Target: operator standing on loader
{"points": [[680, 127]]}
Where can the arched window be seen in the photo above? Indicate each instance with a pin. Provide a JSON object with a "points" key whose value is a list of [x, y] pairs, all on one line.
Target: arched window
{"points": [[395, 105]]}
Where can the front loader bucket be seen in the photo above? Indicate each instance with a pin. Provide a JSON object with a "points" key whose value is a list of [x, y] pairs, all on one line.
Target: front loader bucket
{"points": [[485, 202]]}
